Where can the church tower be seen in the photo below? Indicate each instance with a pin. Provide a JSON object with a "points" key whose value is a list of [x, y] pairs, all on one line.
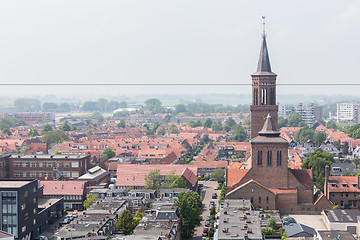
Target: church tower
{"points": [[263, 93]]}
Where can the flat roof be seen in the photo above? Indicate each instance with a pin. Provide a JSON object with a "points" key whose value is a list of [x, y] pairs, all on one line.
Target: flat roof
{"points": [[46, 202], [50, 156], [343, 215], [14, 183]]}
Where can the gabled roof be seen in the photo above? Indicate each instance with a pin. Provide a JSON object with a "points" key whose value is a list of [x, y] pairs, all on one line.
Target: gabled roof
{"points": [[304, 176], [235, 175]]}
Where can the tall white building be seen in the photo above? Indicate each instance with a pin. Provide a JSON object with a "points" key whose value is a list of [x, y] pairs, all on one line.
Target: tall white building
{"points": [[346, 112]]}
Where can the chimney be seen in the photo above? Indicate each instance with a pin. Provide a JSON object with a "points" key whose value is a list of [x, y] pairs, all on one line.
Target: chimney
{"points": [[326, 185]]}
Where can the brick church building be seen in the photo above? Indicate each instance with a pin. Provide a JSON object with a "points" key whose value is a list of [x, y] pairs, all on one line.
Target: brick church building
{"points": [[267, 181]]}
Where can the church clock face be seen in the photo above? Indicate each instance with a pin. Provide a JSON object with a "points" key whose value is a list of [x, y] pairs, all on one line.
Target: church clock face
{"points": [[264, 116]]}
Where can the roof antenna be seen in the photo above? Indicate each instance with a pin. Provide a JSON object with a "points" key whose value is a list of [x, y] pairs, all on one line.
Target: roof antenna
{"points": [[263, 17]]}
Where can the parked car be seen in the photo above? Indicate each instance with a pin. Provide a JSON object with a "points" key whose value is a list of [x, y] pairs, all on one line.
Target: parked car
{"points": [[65, 221], [288, 221], [208, 218], [216, 188], [214, 195], [205, 229], [207, 223], [74, 215], [212, 179]]}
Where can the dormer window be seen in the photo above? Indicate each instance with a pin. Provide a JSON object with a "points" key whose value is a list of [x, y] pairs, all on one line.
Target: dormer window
{"points": [[344, 185], [333, 185], [355, 185]]}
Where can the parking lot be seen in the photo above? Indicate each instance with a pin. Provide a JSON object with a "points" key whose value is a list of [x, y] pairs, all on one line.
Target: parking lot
{"points": [[57, 225]]}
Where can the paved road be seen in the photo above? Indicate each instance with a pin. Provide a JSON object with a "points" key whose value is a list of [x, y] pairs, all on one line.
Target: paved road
{"points": [[208, 190]]}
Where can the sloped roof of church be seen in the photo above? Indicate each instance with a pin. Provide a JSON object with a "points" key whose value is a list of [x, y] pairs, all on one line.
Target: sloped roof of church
{"points": [[264, 67]]}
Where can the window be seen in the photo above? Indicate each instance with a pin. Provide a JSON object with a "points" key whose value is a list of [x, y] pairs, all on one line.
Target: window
{"points": [[278, 159], [342, 195], [259, 200], [252, 199], [26, 216], [346, 195], [259, 158], [74, 164], [23, 206], [267, 199], [332, 195], [344, 185], [355, 195], [269, 158], [34, 199], [26, 194], [33, 164], [354, 185]]}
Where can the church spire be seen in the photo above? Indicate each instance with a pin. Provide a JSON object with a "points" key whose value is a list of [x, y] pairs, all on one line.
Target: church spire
{"points": [[264, 61]]}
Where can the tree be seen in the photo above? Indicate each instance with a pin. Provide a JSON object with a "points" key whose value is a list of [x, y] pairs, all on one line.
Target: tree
{"points": [[7, 131], [47, 127], [230, 122], [208, 122], [123, 105], [49, 107], [57, 152], [107, 153], [121, 124], [174, 129], [153, 180], [54, 137], [180, 108], [97, 116], [189, 209], [295, 120], [27, 105], [331, 124], [64, 107], [161, 131], [317, 162], [33, 133], [281, 122], [239, 134], [101, 104], [216, 126], [153, 105], [337, 144], [345, 150], [304, 134], [218, 174], [319, 138], [90, 106], [272, 223], [167, 118], [125, 223], [65, 127], [112, 105], [90, 200]]}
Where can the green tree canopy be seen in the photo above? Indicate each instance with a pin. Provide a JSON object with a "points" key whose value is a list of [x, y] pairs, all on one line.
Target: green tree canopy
{"points": [[107, 153], [27, 105], [317, 162], [154, 105], [189, 208], [319, 138], [331, 124], [239, 134], [305, 134], [208, 122], [47, 127], [180, 108], [281, 122], [295, 120], [125, 223], [65, 127], [174, 129], [54, 137], [218, 174], [33, 133], [216, 126], [230, 122], [153, 180], [121, 124], [90, 200]]}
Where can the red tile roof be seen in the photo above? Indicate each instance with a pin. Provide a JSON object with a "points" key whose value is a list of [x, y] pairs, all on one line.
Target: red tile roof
{"points": [[63, 187]]}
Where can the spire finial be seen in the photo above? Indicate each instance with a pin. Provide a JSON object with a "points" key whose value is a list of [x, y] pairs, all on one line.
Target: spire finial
{"points": [[263, 17]]}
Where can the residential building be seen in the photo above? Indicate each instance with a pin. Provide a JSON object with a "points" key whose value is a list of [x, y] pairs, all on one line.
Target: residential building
{"points": [[309, 113], [341, 168], [19, 208], [73, 192], [48, 167], [35, 117], [343, 220], [343, 191], [346, 112], [133, 175], [331, 235], [95, 176], [239, 213]]}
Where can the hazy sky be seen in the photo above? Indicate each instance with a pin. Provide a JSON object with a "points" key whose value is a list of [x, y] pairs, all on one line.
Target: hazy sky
{"points": [[176, 41]]}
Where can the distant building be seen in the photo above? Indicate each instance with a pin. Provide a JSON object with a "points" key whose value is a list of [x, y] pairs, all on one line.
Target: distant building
{"points": [[343, 220], [346, 112], [284, 111], [35, 117], [309, 113]]}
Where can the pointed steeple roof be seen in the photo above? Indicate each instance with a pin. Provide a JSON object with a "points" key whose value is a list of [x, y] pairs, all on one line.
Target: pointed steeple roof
{"points": [[268, 128], [264, 61]]}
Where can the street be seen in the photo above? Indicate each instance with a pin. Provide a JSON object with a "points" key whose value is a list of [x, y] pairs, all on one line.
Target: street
{"points": [[208, 189]]}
